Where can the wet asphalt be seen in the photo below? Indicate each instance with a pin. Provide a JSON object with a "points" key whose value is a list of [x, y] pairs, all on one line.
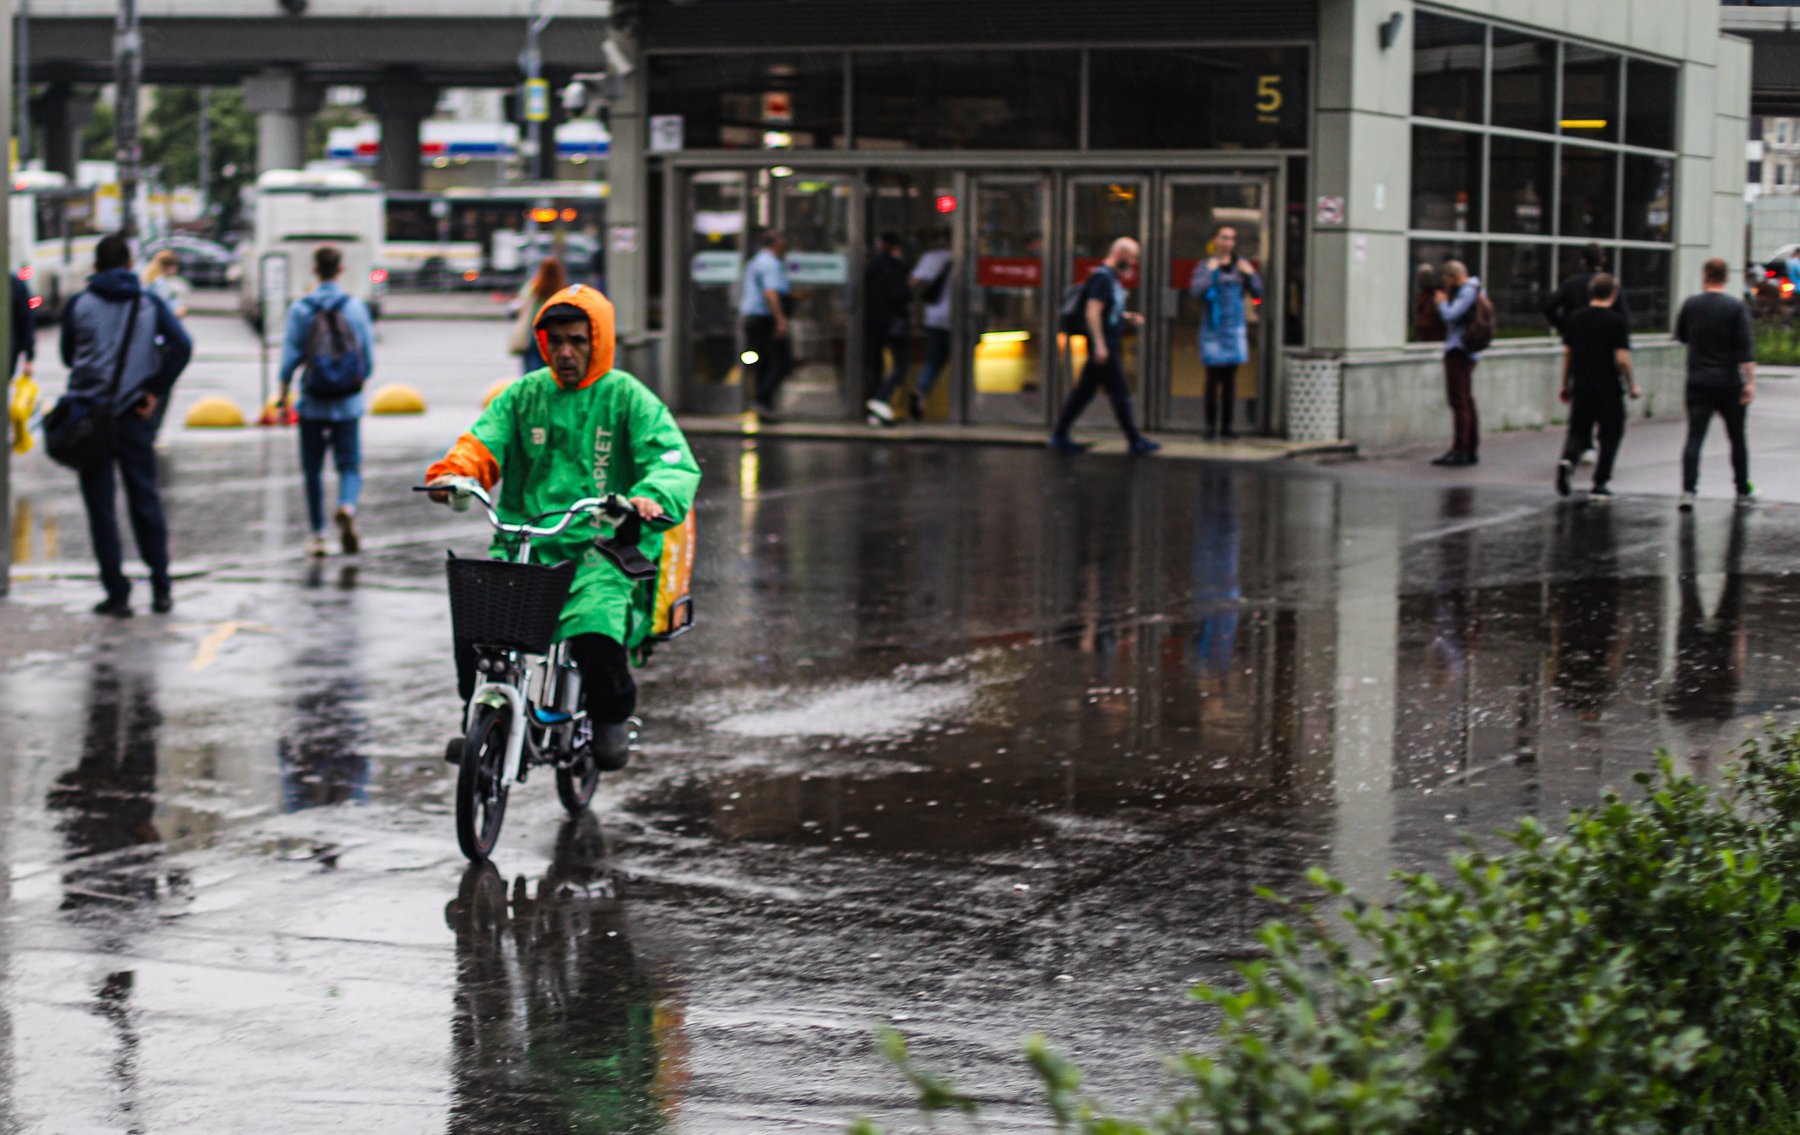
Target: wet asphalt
{"points": [[972, 741]]}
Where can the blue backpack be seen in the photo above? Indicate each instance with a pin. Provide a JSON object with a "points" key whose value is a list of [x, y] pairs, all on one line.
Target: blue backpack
{"points": [[335, 367]]}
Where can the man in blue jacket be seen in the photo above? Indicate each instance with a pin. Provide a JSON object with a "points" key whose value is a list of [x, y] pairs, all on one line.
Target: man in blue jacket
{"points": [[1456, 305], [116, 319], [327, 421]]}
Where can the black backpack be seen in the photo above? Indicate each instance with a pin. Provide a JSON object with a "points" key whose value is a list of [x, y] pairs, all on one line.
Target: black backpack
{"points": [[1071, 317], [335, 367], [934, 291]]}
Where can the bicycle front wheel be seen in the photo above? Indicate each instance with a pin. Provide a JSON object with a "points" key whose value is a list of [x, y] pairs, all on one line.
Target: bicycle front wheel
{"points": [[575, 784], [481, 786]]}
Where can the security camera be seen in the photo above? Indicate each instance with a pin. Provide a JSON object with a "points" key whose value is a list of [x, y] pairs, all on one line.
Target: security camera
{"points": [[575, 97], [617, 61]]}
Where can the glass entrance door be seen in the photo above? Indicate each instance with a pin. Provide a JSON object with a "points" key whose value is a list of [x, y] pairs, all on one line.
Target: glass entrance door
{"points": [[1005, 334], [817, 213], [1101, 210], [717, 207], [1194, 209]]}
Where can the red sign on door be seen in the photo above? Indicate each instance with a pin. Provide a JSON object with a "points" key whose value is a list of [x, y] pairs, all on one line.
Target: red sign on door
{"points": [[777, 108], [1085, 265], [1009, 271], [1181, 273]]}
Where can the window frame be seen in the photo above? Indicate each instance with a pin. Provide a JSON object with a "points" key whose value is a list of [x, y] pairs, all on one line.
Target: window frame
{"points": [[1480, 235]]}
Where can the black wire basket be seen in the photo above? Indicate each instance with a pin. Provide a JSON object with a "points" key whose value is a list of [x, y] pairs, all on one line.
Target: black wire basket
{"points": [[505, 605]]}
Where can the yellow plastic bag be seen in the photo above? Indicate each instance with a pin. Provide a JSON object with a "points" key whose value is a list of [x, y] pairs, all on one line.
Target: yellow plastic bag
{"points": [[24, 404], [674, 612]]}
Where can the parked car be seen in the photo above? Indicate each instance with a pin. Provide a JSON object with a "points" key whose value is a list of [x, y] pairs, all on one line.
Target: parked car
{"points": [[204, 263]]}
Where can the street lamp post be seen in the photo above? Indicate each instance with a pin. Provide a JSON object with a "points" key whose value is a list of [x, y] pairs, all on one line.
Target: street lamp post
{"points": [[128, 70], [23, 65]]}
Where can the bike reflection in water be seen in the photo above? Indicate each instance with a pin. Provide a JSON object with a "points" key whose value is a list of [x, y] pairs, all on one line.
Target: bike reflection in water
{"points": [[557, 1025]]}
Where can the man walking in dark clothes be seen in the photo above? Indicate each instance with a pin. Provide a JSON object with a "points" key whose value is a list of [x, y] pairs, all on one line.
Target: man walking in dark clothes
{"points": [[1721, 376], [887, 326], [1572, 294], [1596, 374], [1103, 320]]}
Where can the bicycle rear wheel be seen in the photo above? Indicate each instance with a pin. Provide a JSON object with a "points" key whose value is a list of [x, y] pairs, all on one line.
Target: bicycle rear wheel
{"points": [[481, 786], [575, 784]]}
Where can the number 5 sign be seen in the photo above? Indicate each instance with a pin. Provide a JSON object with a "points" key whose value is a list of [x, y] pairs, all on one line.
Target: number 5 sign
{"points": [[1268, 99]]}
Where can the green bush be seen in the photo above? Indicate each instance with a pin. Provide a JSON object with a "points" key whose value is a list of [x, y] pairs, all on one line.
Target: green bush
{"points": [[1638, 973], [1777, 344]]}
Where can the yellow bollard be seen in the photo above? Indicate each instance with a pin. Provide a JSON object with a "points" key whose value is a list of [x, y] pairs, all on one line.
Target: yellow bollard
{"points": [[397, 399], [493, 391], [214, 414]]}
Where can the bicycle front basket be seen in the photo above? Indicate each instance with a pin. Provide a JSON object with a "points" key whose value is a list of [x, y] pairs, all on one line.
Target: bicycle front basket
{"points": [[507, 605]]}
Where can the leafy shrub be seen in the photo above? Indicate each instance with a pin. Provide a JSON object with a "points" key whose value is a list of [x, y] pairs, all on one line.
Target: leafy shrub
{"points": [[1638, 973]]}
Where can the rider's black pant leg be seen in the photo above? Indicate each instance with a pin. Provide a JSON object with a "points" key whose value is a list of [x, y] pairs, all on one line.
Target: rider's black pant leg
{"points": [[605, 678]]}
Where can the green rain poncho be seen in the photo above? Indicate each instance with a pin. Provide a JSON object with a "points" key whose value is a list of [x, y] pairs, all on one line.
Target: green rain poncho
{"points": [[548, 446]]}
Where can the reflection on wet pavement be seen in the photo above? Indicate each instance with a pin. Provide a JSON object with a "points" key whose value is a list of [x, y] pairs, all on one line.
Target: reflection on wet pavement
{"points": [[971, 741]]}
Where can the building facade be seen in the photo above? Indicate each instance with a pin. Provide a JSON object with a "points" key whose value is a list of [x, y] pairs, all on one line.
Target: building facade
{"points": [[1346, 141]]}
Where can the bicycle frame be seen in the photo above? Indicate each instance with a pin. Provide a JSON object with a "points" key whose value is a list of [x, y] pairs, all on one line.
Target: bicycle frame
{"points": [[517, 694]]}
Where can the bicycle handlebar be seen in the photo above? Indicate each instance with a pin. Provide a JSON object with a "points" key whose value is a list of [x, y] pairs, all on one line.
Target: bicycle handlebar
{"points": [[612, 504]]}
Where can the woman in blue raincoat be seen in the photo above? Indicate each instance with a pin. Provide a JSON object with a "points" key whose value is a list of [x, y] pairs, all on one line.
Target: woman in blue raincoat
{"points": [[1220, 283]]}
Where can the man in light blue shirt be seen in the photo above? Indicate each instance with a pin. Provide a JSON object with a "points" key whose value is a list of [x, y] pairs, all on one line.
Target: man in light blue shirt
{"points": [[764, 302], [1456, 305], [327, 419]]}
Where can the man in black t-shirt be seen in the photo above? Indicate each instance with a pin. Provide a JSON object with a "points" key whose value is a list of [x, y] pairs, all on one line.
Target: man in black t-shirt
{"points": [[1596, 374], [1104, 319], [1572, 294], [1721, 376]]}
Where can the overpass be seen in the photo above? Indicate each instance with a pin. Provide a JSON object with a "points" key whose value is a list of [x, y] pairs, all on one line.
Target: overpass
{"points": [[1773, 30], [401, 51]]}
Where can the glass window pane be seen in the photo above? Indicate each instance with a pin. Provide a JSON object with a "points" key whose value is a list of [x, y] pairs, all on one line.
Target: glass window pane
{"points": [[1589, 180], [1645, 278], [960, 100], [1650, 118], [1649, 198], [1519, 185], [1432, 254], [752, 102], [1447, 67], [1518, 281], [1568, 260], [1446, 181], [1524, 81], [1590, 93], [1229, 98]]}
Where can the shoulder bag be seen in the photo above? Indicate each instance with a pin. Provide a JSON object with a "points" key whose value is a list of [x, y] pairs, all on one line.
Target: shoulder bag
{"points": [[78, 430]]}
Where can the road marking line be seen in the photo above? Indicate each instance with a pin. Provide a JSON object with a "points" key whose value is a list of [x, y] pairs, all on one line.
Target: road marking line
{"points": [[214, 642]]}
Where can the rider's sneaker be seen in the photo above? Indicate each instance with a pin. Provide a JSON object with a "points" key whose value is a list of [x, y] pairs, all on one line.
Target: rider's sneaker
{"points": [[453, 751], [612, 746]]}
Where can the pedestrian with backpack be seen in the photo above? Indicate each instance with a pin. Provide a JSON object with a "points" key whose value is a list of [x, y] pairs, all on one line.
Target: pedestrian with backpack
{"points": [[331, 340], [1095, 309], [1468, 316]]}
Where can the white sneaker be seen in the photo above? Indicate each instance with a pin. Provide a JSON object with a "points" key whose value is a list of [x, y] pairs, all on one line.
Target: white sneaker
{"points": [[315, 545], [1686, 502], [879, 410]]}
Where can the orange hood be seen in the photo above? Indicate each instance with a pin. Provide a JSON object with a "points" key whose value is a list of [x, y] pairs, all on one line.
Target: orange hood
{"points": [[600, 322]]}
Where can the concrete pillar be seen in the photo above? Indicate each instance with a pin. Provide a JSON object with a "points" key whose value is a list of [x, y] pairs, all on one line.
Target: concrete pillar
{"points": [[62, 112], [282, 101], [1363, 148], [402, 103], [627, 207]]}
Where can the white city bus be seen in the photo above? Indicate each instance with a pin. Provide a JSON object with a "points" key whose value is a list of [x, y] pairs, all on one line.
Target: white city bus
{"points": [[52, 238], [298, 210]]}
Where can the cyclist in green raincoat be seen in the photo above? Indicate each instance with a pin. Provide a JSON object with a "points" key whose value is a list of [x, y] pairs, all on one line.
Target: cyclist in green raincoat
{"points": [[578, 428]]}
